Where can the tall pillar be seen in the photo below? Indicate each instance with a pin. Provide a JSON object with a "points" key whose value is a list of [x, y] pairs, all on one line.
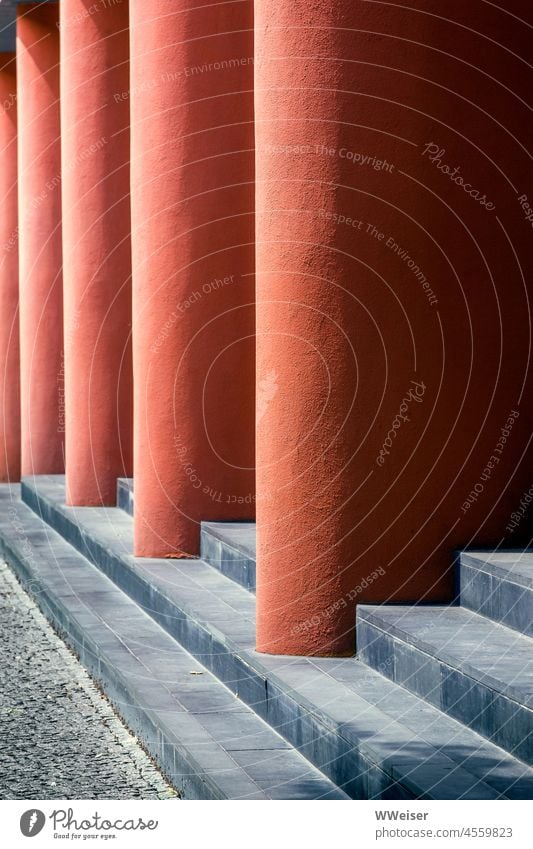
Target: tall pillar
{"points": [[393, 321], [9, 319], [193, 262], [39, 196], [96, 248]]}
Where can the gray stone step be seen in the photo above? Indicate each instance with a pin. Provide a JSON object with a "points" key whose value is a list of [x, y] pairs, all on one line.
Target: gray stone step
{"points": [[499, 584], [370, 736], [470, 667], [209, 743], [230, 548], [125, 494]]}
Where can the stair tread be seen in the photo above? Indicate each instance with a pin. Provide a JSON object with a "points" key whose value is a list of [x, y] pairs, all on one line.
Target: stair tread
{"points": [[230, 548], [346, 688], [487, 651], [514, 566], [194, 708], [238, 535], [379, 719]]}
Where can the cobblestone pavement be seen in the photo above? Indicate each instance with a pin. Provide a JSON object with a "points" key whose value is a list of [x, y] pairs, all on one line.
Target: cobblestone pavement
{"points": [[59, 737]]}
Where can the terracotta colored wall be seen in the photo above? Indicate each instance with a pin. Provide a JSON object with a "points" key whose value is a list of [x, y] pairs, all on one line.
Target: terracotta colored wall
{"points": [[9, 321], [394, 333], [96, 249], [193, 262], [39, 193]]}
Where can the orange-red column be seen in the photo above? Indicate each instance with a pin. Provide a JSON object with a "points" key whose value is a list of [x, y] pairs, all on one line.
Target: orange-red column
{"points": [[394, 198], [9, 320], [96, 248], [193, 262], [39, 196]]}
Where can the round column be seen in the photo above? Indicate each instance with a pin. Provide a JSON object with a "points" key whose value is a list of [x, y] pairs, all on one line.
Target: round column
{"points": [[96, 248], [193, 262], [393, 341], [9, 321], [39, 195]]}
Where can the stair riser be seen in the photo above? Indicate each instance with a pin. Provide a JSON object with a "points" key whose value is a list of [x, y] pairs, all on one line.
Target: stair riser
{"points": [[125, 495], [228, 561], [502, 720], [497, 598]]}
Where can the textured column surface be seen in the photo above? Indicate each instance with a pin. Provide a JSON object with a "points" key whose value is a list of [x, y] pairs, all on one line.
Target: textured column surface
{"points": [[96, 248], [394, 186], [9, 319], [193, 262], [40, 281]]}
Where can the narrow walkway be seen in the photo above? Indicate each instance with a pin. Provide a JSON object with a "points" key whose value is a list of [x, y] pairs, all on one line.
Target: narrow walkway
{"points": [[59, 737]]}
